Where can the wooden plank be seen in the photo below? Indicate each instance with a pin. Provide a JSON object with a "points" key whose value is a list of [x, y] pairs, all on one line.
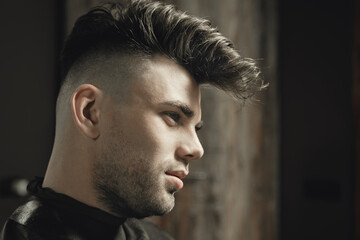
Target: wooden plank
{"points": [[239, 198]]}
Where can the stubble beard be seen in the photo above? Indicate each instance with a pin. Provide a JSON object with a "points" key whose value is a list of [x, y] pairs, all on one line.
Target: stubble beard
{"points": [[133, 190]]}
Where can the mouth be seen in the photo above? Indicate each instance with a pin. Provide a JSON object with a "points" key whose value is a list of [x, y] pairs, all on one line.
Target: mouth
{"points": [[175, 177]]}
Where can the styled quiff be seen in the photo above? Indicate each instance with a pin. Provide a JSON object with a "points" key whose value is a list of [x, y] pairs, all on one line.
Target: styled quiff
{"points": [[143, 27]]}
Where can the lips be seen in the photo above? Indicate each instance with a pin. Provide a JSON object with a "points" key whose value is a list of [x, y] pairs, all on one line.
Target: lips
{"points": [[177, 173], [176, 176]]}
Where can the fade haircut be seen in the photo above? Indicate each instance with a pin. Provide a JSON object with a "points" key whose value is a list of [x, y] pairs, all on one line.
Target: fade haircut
{"points": [[146, 28]]}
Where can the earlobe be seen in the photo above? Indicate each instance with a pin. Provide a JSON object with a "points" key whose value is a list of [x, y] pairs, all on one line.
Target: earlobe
{"points": [[85, 110]]}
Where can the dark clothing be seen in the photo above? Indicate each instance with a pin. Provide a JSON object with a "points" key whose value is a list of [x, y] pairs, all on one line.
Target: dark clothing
{"points": [[50, 215]]}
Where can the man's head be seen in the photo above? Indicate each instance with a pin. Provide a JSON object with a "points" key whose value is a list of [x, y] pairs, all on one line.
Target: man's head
{"points": [[131, 86]]}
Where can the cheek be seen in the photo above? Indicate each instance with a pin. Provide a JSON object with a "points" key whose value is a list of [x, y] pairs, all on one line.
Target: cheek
{"points": [[146, 135], [158, 141]]}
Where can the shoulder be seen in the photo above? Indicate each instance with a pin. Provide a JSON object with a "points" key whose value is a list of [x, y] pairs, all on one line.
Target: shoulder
{"points": [[33, 213], [13, 231], [28, 221], [146, 229]]}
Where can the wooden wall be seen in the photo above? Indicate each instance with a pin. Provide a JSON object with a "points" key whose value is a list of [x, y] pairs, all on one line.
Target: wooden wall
{"points": [[232, 192]]}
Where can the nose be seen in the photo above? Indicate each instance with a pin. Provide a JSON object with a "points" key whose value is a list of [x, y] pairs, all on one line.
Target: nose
{"points": [[190, 148]]}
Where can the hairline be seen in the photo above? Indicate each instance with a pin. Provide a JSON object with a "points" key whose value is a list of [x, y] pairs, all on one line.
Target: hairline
{"points": [[81, 72]]}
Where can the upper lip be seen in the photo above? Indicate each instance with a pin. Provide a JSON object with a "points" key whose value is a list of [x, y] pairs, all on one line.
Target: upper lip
{"points": [[178, 173]]}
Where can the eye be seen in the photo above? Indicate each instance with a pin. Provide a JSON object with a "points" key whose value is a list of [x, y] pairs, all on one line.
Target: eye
{"points": [[174, 117], [198, 126]]}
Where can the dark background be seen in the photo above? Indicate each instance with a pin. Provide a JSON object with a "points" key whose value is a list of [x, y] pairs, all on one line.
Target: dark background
{"points": [[317, 126], [29, 45], [318, 136]]}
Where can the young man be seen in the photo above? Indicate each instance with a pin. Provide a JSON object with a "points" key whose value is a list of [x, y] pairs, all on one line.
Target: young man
{"points": [[127, 118]]}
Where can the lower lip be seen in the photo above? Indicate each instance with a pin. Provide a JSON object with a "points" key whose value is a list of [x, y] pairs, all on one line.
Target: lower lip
{"points": [[176, 181]]}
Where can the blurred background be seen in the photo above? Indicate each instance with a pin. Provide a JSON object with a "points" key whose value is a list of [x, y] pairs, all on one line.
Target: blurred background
{"points": [[285, 166]]}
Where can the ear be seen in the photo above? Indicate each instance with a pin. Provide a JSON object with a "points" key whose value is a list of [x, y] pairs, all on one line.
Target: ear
{"points": [[85, 109]]}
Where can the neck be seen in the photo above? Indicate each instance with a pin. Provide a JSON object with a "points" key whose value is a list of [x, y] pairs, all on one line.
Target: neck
{"points": [[70, 172]]}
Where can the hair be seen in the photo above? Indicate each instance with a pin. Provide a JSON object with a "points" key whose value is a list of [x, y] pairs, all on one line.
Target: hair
{"points": [[146, 28]]}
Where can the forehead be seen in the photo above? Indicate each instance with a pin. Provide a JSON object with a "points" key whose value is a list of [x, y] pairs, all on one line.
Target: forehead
{"points": [[164, 80]]}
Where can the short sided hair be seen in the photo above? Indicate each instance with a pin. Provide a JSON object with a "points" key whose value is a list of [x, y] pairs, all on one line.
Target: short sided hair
{"points": [[145, 27]]}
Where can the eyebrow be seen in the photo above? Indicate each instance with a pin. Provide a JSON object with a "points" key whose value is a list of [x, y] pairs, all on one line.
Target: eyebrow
{"points": [[184, 108], [181, 106]]}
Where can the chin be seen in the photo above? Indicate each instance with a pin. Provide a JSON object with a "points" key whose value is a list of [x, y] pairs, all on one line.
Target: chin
{"points": [[165, 210], [155, 206], [166, 205], [156, 211]]}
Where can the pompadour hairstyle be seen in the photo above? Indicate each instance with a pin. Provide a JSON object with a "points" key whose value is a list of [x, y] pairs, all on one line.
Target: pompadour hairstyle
{"points": [[146, 27]]}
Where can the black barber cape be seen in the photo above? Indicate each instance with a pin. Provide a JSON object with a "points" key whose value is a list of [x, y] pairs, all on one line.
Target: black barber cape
{"points": [[50, 215]]}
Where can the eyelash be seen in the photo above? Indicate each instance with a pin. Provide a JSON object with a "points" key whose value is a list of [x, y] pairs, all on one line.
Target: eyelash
{"points": [[174, 116]]}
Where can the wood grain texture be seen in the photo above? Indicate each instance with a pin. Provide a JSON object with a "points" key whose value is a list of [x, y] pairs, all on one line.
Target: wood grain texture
{"points": [[239, 197]]}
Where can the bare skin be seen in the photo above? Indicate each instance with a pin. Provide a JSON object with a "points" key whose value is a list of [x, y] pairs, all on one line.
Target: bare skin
{"points": [[138, 148]]}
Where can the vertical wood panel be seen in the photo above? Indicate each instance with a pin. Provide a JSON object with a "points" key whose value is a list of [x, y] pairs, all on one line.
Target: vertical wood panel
{"points": [[232, 192], [239, 197]]}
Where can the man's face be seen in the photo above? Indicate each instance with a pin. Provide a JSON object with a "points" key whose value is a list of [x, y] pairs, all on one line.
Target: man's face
{"points": [[147, 140]]}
